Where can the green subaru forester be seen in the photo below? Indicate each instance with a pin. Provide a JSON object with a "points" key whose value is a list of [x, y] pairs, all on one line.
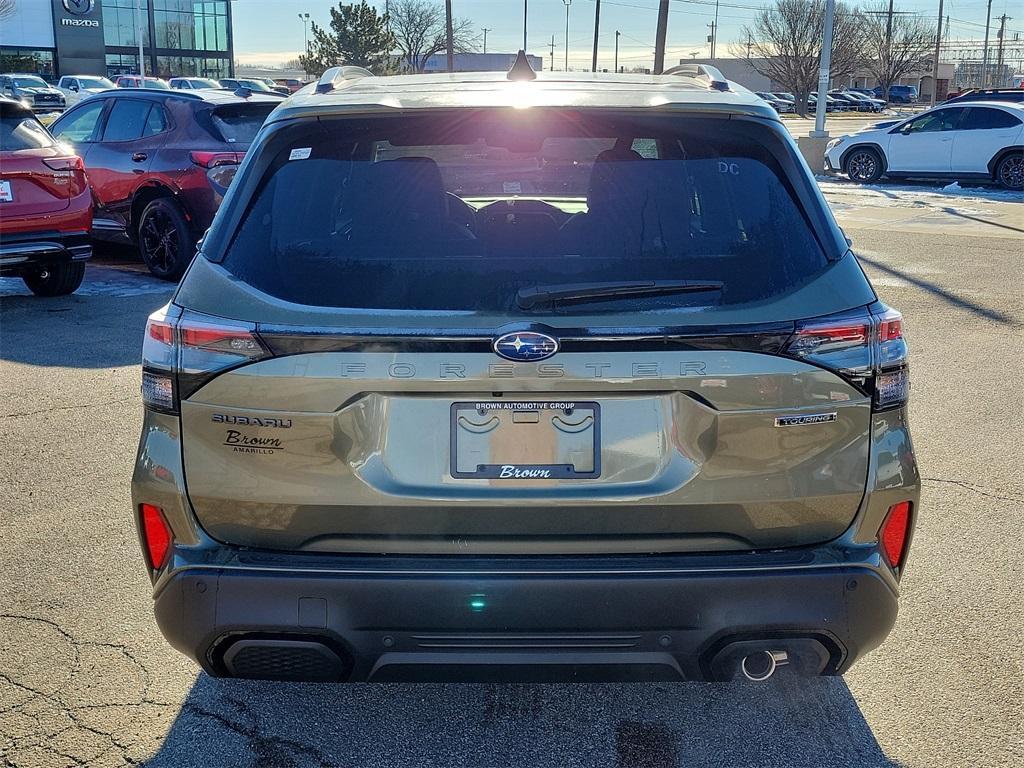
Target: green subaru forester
{"points": [[525, 377]]}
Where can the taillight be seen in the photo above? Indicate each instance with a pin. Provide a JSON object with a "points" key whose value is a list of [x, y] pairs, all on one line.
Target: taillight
{"points": [[72, 168], [895, 533], [72, 163], [183, 350], [156, 535], [865, 348], [213, 159]]}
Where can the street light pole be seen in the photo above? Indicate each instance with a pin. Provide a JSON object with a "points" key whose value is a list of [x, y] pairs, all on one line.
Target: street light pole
{"points": [[617, 33], [568, 4], [524, 24], [304, 18], [823, 72], [485, 31], [597, 27]]}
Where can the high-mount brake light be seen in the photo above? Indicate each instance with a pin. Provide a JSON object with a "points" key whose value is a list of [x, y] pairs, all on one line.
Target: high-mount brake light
{"points": [[866, 348], [183, 350]]}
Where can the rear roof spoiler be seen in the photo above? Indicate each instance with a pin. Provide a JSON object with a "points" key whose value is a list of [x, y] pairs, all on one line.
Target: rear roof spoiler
{"points": [[712, 76]]}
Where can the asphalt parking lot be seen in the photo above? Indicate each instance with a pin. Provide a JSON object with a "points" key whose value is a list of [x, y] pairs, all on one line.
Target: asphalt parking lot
{"points": [[85, 678]]}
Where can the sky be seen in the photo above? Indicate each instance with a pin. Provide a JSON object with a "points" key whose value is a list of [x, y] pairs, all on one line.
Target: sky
{"points": [[269, 32]]}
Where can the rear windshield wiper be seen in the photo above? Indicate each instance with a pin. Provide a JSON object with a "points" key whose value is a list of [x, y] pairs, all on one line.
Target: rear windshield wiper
{"points": [[529, 298]]}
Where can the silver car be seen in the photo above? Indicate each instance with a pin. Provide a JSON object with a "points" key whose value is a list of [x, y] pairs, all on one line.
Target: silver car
{"points": [[525, 377]]}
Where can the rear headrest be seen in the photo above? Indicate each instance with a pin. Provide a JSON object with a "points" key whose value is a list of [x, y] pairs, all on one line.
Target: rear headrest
{"points": [[400, 200]]}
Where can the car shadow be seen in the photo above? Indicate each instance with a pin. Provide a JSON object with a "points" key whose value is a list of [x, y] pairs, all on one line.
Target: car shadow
{"points": [[957, 301], [99, 326], [989, 222], [791, 722]]}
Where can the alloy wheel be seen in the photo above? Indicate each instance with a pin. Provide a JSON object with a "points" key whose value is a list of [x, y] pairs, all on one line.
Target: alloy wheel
{"points": [[1011, 172], [159, 238], [862, 166]]}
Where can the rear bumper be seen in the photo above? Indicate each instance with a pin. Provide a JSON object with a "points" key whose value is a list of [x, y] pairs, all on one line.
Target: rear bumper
{"points": [[28, 250], [668, 618]]}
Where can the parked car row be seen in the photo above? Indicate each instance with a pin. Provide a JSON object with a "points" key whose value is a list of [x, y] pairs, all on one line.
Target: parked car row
{"points": [[147, 166], [981, 140], [40, 96], [835, 101]]}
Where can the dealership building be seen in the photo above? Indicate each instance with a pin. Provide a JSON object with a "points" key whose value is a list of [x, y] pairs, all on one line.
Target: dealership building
{"points": [[99, 37]]}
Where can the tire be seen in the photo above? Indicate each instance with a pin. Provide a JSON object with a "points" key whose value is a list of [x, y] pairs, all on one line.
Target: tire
{"points": [[1010, 171], [165, 240], [864, 165], [55, 279]]}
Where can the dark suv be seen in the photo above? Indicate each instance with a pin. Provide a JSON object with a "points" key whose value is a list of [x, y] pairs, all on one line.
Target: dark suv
{"points": [[555, 378], [159, 163]]}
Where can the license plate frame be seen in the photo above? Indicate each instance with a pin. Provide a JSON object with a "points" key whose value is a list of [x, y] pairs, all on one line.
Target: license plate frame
{"points": [[579, 421]]}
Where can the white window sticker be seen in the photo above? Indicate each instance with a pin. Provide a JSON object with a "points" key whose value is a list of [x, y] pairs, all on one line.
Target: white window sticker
{"points": [[6, 194], [512, 187], [300, 153]]}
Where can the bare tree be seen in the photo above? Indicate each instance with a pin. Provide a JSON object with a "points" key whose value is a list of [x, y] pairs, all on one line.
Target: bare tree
{"points": [[784, 44], [419, 30], [7, 8], [896, 50]]}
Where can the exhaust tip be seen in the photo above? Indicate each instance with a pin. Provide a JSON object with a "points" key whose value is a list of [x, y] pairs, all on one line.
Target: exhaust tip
{"points": [[761, 665]]}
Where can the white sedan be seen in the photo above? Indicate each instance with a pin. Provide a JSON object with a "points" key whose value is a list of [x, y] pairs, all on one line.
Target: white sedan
{"points": [[966, 140]]}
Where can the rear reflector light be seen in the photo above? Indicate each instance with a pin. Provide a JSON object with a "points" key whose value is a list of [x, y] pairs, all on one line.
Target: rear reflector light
{"points": [[895, 532], [156, 535], [213, 159]]}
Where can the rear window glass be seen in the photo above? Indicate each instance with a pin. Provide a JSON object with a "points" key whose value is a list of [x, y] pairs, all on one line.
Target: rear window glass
{"points": [[466, 212], [239, 124], [21, 131]]}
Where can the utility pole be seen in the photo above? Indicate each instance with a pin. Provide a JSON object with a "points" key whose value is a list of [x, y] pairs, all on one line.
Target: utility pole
{"points": [[750, 41], [568, 4], [551, 45], [935, 59], [617, 33], [984, 57], [823, 71], [714, 32], [998, 83], [659, 40], [485, 30], [448, 34], [597, 27]]}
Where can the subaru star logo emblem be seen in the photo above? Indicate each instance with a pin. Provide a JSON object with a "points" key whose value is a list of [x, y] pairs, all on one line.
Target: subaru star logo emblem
{"points": [[525, 346], [78, 7]]}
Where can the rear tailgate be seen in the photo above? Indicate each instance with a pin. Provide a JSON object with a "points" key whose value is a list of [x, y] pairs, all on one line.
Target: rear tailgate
{"points": [[28, 187], [359, 451]]}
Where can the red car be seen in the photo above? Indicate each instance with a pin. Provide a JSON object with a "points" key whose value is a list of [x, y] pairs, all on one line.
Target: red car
{"points": [[159, 163], [45, 206]]}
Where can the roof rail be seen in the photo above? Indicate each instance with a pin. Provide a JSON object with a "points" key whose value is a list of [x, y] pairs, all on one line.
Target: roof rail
{"points": [[170, 92], [714, 77], [336, 76]]}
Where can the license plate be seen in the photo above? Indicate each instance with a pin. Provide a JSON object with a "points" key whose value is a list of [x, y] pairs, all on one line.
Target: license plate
{"points": [[6, 193], [526, 440]]}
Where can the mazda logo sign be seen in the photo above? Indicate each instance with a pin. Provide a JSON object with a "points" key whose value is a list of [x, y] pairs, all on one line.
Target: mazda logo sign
{"points": [[79, 7]]}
